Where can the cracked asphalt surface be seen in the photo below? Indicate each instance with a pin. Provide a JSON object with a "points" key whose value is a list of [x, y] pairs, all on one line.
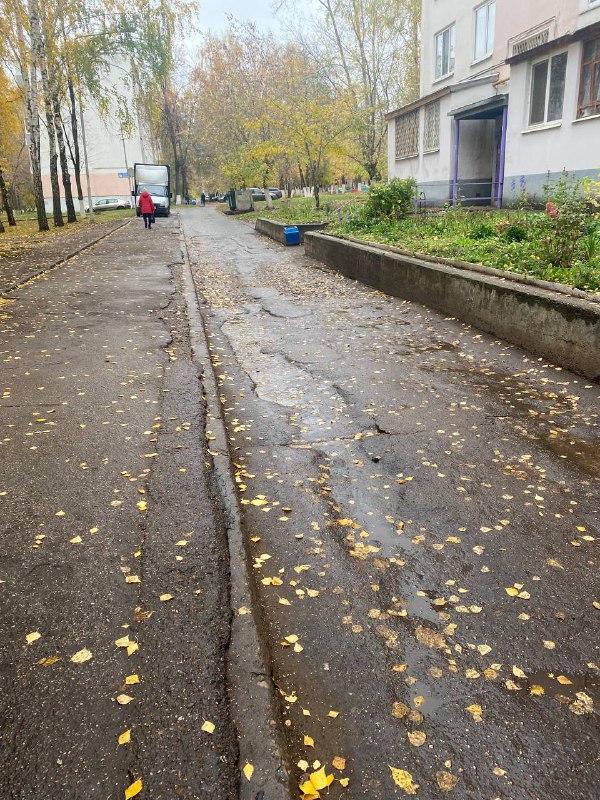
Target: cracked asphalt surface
{"points": [[420, 506], [106, 503]]}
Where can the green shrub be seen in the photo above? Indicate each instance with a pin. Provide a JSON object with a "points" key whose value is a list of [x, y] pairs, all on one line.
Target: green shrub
{"points": [[515, 233], [392, 200], [483, 231]]}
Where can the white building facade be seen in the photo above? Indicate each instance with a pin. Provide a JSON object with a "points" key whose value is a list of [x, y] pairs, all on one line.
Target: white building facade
{"points": [[510, 95], [111, 148]]}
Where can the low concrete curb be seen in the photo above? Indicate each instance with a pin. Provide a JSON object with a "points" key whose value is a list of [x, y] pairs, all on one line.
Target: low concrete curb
{"points": [[275, 230], [248, 677], [71, 254], [563, 329]]}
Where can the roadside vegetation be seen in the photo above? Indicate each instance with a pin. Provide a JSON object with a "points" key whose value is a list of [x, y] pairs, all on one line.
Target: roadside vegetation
{"points": [[559, 244], [303, 209]]}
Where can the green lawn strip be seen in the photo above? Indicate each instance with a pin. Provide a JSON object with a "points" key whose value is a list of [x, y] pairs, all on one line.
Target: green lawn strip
{"points": [[302, 209], [479, 238]]}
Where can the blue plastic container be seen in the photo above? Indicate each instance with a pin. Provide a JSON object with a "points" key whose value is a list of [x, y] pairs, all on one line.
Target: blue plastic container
{"points": [[292, 235]]}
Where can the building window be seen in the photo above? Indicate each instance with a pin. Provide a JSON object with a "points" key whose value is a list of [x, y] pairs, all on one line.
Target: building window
{"points": [[547, 89], [485, 26], [589, 86], [407, 135], [445, 47], [431, 128]]}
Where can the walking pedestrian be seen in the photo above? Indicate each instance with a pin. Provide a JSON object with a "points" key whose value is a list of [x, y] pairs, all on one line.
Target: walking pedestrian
{"points": [[147, 208], [202, 199]]}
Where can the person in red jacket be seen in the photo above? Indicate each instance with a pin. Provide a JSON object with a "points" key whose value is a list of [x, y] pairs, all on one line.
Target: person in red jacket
{"points": [[147, 208]]}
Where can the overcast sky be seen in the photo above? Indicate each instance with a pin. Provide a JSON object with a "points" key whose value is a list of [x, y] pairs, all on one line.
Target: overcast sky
{"points": [[213, 13]]}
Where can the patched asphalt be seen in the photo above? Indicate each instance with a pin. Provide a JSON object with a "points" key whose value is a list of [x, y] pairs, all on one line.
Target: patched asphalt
{"points": [[103, 478], [420, 511]]}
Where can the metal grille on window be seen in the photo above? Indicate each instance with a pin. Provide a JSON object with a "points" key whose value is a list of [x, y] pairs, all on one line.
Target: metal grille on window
{"points": [[407, 135], [431, 133]]}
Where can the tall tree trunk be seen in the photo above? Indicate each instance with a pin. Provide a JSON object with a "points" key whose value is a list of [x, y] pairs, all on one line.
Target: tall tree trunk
{"points": [[64, 166], [315, 171], [39, 45], [74, 151], [5, 201], [33, 123]]}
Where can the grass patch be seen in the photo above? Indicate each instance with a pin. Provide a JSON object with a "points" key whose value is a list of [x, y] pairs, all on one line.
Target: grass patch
{"points": [[507, 240], [302, 209]]}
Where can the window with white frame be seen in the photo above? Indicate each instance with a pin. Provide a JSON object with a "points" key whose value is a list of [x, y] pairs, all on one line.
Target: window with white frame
{"points": [[547, 89], [407, 135], [445, 48], [431, 127], [485, 28]]}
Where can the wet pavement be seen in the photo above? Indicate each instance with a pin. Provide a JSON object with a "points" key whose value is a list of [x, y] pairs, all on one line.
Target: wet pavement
{"points": [[114, 580], [24, 256], [421, 515]]}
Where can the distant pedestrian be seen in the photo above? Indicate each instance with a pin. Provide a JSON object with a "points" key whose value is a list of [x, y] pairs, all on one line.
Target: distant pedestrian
{"points": [[202, 199], [147, 208]]}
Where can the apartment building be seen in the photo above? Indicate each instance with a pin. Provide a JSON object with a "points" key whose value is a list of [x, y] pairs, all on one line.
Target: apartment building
{"points": [[510, 91], [111, 147]]}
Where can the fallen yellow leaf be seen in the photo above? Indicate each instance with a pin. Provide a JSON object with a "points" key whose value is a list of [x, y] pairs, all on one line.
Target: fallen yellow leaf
{"points": [[82, 656], [248, 770], [33, 637], [417, 738], [164, 598], [309, 741], [339, 763], [131, 679], [208, 727], [125, 737], [133, 790], [124, 699], [404, 780], [446, 780], [132, 579]]}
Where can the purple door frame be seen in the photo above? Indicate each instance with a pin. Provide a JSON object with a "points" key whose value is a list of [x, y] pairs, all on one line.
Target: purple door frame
{"points": [[500, 189], [500, 166], [455, 174]]}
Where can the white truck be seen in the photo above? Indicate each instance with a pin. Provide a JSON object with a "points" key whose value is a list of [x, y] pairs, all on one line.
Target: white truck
{"points": [[156, 179]]}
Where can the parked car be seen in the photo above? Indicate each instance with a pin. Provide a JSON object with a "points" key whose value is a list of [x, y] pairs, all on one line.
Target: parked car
{"points": [[275, 193], [110, 204], [257, 194]]}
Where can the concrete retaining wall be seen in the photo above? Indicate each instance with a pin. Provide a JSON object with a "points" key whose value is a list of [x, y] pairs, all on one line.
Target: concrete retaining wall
{"points": [[269, 227], [564, 330]]}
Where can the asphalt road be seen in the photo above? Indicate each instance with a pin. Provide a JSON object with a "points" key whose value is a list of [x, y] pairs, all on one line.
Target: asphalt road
{"points": [[107, 505], [421, 518]]}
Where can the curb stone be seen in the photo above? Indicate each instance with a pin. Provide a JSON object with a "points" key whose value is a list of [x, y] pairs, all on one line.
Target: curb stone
{"points": [[248, 676]]}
